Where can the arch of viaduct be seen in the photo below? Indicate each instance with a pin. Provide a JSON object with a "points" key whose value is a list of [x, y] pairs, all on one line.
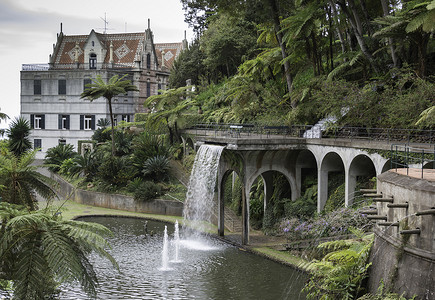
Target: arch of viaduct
{"points": [[290, 157]]}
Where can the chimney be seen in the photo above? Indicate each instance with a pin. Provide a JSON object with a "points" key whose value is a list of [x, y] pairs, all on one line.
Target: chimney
{"points": [[111, 53]]}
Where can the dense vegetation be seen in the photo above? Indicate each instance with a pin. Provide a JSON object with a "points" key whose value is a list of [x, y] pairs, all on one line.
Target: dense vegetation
{"points": [[38, 250], [368, 63]]}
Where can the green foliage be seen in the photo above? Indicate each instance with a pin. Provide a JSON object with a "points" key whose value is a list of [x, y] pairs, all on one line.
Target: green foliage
{"points": [[18, 134], [145, 190], [157, 168], [146, 146], [39, 251], [102, 133], [334, 223], [115, 86], [115, 172], [21, 180], [303, 207], [55, 156], [340, 273], [188, 65]]}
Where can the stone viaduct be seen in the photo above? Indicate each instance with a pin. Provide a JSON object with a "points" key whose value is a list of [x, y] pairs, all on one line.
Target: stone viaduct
{"points": [[254, 156]]}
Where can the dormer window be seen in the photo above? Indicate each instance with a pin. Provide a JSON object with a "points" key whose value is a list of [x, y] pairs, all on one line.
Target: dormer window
{"points": [[92, 61]]}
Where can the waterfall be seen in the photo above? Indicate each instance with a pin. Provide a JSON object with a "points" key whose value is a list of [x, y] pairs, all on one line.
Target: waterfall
{"points": [[199, 202]]}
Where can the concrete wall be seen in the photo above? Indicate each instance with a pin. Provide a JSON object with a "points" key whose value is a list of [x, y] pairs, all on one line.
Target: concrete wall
{"points": [[121, 202], [406, 263]]}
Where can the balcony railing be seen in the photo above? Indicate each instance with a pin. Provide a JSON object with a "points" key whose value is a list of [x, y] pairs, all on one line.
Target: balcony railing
{"points": [[417, 136], [74, 66], [404, 156], [35, 67]]}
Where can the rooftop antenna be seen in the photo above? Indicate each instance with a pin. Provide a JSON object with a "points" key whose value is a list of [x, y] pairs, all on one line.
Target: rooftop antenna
{"points": [[105, 24]]}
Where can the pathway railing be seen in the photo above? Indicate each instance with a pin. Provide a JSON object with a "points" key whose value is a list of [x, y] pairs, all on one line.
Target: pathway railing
{"points": [[406, 156], [235, 130]]}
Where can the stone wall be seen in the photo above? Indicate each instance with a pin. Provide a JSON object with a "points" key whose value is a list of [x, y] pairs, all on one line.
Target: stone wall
{"points": [[405, 262], [121, 202]]}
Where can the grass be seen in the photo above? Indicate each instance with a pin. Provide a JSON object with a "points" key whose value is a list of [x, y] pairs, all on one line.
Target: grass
{"points": [[282, 256]]}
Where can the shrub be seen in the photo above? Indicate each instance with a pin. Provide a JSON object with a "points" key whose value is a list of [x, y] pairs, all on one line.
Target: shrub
{"points": [[56, 155], [114, 173], [157, 168], [334, 223], [147, 191]]}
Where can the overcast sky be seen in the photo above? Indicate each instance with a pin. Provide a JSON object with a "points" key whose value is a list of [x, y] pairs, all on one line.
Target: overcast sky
{"points": [[28, 31]]}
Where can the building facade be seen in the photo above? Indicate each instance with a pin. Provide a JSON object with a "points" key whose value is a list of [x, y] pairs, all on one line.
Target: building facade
{"points": [[50, 94]]}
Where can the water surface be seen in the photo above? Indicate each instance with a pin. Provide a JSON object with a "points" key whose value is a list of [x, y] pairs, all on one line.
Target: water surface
{"points": [[210, 269]]}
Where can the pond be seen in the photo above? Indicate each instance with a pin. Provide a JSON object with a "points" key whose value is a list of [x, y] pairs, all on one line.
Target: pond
{"points": [[208, 268]]}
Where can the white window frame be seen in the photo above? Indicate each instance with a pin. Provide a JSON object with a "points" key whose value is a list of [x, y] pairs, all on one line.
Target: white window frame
{"points": [[87, 122], [37, 122]]}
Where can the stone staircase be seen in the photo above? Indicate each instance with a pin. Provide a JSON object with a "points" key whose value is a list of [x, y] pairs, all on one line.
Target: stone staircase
{"points": [[232, 222]]}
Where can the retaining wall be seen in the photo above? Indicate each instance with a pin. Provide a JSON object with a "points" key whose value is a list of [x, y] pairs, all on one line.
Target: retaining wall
{"points": [[121, 202], [406, 263]]}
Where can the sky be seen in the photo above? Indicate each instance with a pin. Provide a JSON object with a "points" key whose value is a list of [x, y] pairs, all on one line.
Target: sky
{"points": [[28, 30]]}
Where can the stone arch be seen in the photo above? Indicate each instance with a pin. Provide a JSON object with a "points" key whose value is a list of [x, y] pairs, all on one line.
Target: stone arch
{"points": [[361, 165], [306, 163], [230, 163], [386, 166], [331, 162]]}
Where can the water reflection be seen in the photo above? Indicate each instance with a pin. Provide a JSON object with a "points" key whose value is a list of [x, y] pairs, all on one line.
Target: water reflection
{"points": [[209, 269]]}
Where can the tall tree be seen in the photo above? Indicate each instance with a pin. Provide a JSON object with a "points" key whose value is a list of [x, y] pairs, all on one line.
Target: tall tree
{"points": [[115, 86], [18, 134], [21, 180]]}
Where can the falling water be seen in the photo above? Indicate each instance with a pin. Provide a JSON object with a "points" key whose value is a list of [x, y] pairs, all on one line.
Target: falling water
{"points": [[176, 243], [165, 252], [200, 192]]}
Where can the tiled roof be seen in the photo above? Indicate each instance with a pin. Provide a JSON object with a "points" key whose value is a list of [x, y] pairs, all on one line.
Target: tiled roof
{"points": [[171, 52], [126, 47]]}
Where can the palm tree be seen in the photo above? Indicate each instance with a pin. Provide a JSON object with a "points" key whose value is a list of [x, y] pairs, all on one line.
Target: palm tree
{"points": [[3, 117], [21, 181], [115, 86], [39, 251], [18, 134]]}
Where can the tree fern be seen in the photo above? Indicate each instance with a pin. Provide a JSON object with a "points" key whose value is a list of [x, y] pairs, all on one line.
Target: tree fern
{"points": [[42, 251], [339, 274]]}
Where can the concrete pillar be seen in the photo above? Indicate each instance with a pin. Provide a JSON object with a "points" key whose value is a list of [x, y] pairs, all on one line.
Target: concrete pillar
{"points": [[268, 188], [298, 179], [245, 215], [221, 204], [322, 189], [350, 185]]}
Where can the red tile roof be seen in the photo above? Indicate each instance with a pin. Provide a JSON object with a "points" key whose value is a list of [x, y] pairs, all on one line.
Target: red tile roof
{"points": [[126, 48]]}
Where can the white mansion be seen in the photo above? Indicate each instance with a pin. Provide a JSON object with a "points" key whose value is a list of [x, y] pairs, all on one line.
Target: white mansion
{"points": [[50, 94]]}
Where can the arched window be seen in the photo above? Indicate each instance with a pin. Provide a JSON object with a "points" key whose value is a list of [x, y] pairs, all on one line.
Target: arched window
{"points": [[92, 61]]}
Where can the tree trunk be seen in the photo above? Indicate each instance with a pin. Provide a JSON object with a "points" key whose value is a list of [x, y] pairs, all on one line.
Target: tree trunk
{"points": [[386, 11], [331, 41], [356, 20], [111, 124], [340, 36], [422, 41], [359, 37], [277, 27], [366, 17]]}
